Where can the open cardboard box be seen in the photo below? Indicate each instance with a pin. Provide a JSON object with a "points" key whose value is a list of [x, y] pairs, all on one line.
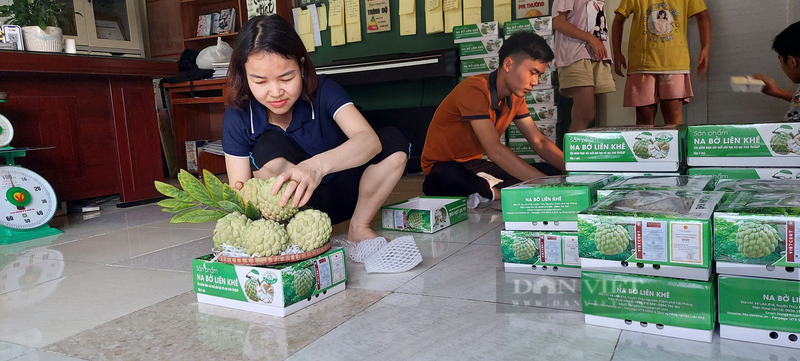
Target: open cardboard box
{"points": [[273, 290], [424, 214], [625, 149], [660, 183]]}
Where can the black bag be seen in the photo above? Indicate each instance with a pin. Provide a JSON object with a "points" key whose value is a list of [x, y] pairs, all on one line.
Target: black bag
{"points": [[188, 71]]}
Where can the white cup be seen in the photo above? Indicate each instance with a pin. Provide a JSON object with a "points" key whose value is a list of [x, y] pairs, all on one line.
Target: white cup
{"points": [[69, 46]]}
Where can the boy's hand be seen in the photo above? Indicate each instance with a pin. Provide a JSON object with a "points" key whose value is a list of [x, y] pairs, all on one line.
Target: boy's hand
{"points": [[598, 49], [619, 63], [702, 62], [770, 88]]}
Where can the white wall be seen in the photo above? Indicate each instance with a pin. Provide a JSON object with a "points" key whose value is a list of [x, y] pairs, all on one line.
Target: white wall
{"points": [[736, 49]]}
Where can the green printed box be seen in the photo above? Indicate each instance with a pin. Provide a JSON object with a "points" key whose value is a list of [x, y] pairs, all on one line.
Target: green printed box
{"points": [[746, 173], [547, 127], [759, 310], [542, 25], [544, 253], [472, 32], [273, 290], [543, 111], [540, 96], [618, 176], [755, 235], [545, 80], [744, 145], [479, 65], [659, 183], [549, 203], [424, 214], [623, 149], [479, 48], [656, 233], [661, 306], [758, 185]]}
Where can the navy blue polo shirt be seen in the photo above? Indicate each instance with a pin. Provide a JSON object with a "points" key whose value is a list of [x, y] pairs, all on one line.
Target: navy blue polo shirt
{"points": [[312, 125]]}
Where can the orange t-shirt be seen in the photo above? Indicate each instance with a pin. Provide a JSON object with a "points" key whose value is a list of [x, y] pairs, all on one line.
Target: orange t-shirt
{"points": [[450, 134]]}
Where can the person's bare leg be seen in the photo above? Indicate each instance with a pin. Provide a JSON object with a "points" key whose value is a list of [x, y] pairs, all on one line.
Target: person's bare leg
{"points": [[583, 107], [376, 184], [672, 109], [646, 115]]}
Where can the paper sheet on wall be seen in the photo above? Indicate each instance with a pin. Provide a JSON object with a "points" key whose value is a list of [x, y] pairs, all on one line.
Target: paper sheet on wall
{"points": [[502, 11], [295, 17], [352, 19], [323, 17], [336, 21], [378, 16], [408, 17], [434, 23], [452, 16], [432, 4], [306, 30], [469, 4], [312, 10], [472, 15]]}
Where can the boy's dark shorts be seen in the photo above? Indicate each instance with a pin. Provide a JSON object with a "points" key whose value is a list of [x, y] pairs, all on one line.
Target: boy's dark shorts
{"points": [[337, 195]]}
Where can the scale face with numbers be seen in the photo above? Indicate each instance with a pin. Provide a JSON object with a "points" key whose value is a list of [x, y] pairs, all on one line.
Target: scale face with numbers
{"points": [[28, 201]]}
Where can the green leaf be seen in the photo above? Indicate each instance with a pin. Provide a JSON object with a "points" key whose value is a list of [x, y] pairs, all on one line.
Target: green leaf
{"points": [[171, 191], [230, 207], [195, 188], [229, 194], [172, 203], [179, 208], [197, 216], [213, 185], [252, 212]]}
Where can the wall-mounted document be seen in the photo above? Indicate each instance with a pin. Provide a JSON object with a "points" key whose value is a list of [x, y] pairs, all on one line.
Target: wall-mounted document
{"points": [[452, 15], [434, 23], [472, 11], [336, 21], [305, 29], [502, 11], [352, 19], [322, 14], [408, 17]]}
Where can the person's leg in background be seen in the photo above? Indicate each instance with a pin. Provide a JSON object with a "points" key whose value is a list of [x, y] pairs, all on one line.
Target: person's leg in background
{"points": [[583, 107]]}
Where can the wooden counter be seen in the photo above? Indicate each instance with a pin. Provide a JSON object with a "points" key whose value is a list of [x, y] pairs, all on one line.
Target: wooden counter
{"points": [[99, 114]]}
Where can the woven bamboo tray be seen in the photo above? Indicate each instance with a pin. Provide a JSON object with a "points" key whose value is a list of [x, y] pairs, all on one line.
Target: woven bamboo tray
{"points": [[273, 260]]}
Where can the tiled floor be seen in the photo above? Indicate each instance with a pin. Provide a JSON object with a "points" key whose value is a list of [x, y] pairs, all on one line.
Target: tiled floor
{"points": [[118, 287]]}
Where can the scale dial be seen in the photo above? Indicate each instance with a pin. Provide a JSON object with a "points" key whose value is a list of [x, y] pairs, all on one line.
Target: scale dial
{"points": [[6, 131], [27, 201]]}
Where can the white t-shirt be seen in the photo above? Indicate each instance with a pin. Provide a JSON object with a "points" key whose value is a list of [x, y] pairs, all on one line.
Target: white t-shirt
{"points": [[586, 15]]}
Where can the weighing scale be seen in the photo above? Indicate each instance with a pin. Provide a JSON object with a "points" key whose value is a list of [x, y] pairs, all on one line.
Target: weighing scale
{"points": [[27, 201]]}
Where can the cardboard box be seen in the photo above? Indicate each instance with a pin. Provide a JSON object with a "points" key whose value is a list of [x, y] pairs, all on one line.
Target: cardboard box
{"points": [[759, 310], [625, 149], [424, 214], [542, 25], [746, 173], [617, 176], [543, 111], [270, 290], [549, 203], [436, 244], [542, 253], [656, 233], [547, 127], [755, 235], [192, 155], [540, 96], [660, 306], [479, 49], [659, 183], [545, 80], [472, 32], [744, 145], [758, 185], [479, 65]]}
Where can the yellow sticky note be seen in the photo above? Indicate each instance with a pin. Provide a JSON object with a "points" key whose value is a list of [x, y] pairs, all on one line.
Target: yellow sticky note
{"points": [[502, 13], [434, 23], [407, 7], [308, 41], [337, 15], [451, 18], [338, 35], [323, 17], [469, 4], [408, 24], [352, 12], [304, 22], [430, 5], [353, 32], [451, 4], [502, 2], [472, 15]]}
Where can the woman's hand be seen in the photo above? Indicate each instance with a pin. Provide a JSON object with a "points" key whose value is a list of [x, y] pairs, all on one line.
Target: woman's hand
{"points": [[303, 179]]}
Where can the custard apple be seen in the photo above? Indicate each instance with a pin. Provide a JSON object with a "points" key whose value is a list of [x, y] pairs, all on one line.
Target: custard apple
{"points": [[265, 238], [415, 220], [611, 239], [230, 230], [780, 143], [309, 229], [756, 240], [303, 282], [640, 148], [524, 248], [251, 289], [259, 192]]}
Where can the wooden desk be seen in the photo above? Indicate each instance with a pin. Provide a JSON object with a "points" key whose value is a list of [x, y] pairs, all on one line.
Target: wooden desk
{"points": [[98, 112]]}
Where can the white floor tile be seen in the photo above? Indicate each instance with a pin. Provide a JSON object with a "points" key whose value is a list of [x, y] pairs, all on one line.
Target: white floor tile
{"points": [[175, 258], [39, 355]]}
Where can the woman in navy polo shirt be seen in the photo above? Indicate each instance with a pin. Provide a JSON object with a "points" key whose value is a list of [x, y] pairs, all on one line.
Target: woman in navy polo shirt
{"points": [[284, 121]]}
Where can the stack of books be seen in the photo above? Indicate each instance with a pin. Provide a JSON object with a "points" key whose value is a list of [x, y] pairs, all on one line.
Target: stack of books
{"points": [[220, 69]]}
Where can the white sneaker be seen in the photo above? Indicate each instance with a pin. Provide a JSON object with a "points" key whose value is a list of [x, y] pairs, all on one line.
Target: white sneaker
{"points": [[399, 255]]}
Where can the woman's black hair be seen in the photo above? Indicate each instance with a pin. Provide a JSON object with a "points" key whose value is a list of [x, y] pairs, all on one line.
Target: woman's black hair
{"points": [[269, 34]]}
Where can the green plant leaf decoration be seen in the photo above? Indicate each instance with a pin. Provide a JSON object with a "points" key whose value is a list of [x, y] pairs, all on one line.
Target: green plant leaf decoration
{"points": [[171, 191], [252, 212], [179, 208], [195, 188], [172, 203], [213, 185], [231, 195], [198, 216], [230, 207]]}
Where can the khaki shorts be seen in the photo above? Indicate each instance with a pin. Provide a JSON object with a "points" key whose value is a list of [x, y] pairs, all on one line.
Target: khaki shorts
{"points": [[586, 72]]}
